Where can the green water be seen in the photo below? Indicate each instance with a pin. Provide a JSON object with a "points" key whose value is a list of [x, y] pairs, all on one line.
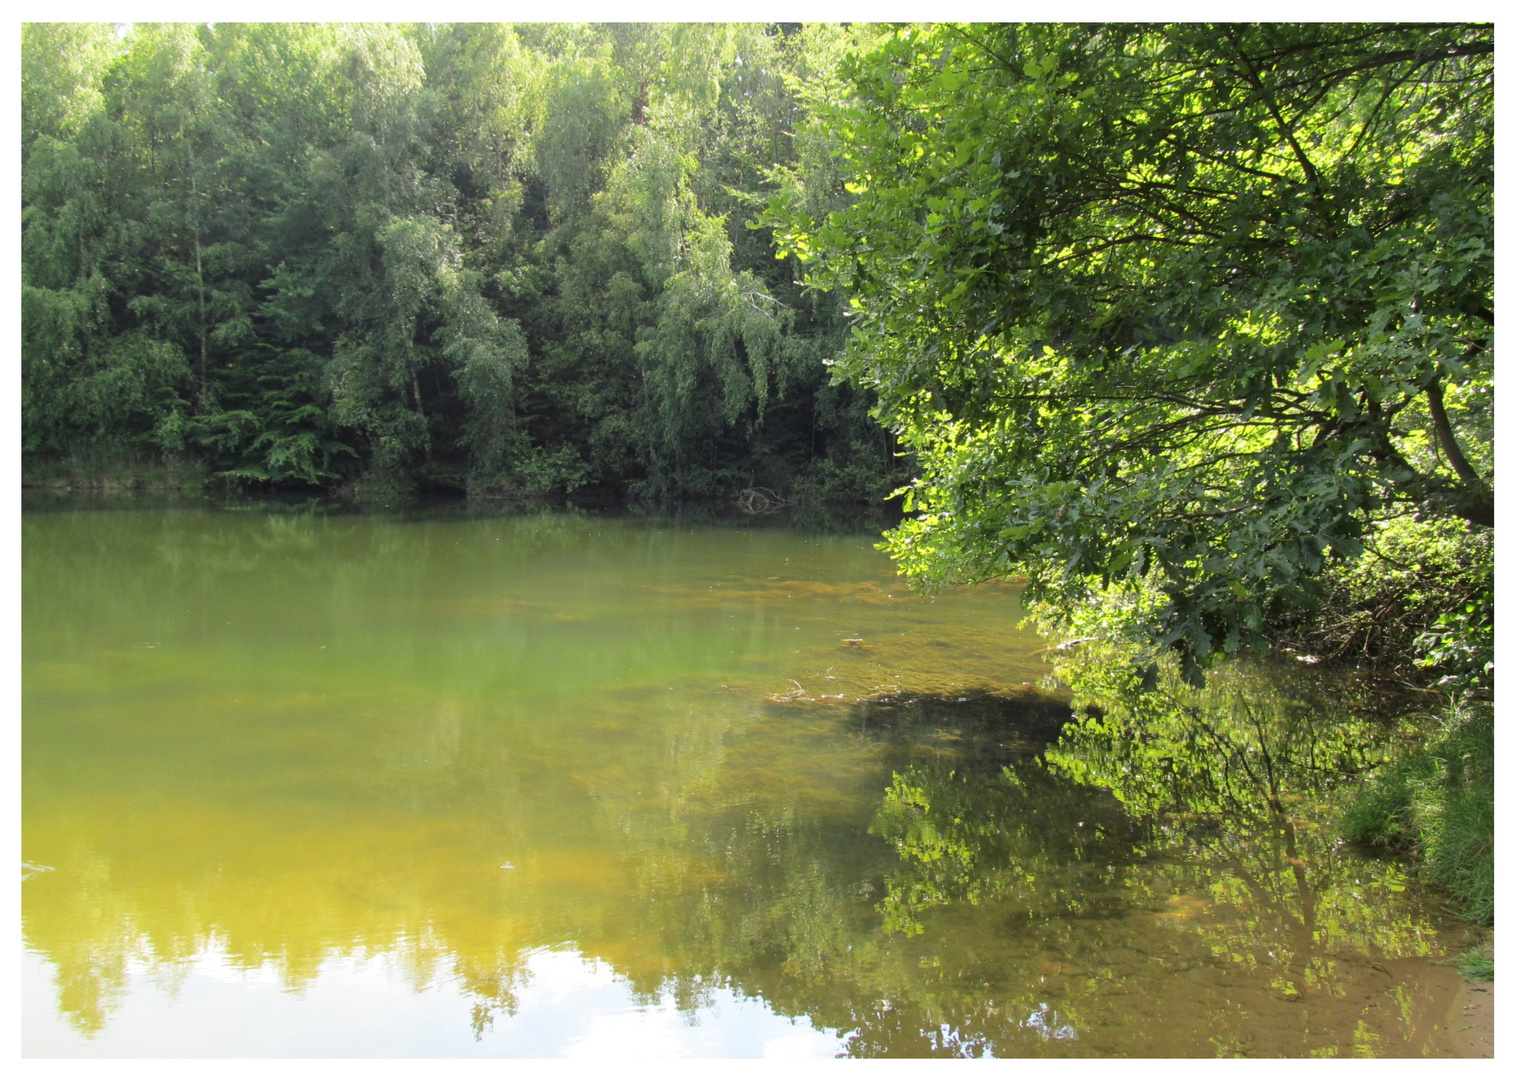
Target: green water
{"points": [[316, 784]]}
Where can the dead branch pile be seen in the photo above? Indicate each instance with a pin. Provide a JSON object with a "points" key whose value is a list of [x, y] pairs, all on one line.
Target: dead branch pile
{"points": [[760, 500]]}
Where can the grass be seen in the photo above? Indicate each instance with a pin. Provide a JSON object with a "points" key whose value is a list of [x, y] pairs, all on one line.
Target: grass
{"points": [[1476, 965], [1437, 805]]}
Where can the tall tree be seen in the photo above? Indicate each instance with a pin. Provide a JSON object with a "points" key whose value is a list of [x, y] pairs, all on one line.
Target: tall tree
{"points": [[91, 380], [1177, 305]]}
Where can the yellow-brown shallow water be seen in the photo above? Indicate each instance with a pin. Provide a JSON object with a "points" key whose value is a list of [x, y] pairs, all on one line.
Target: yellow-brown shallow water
{"points": [[316, 785]]}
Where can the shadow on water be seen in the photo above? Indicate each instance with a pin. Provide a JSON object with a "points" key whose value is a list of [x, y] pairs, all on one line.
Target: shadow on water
{"points": [[983, 725]]}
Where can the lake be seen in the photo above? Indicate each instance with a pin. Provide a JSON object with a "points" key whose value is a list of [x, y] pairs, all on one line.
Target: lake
{"points": [[299, 782]]}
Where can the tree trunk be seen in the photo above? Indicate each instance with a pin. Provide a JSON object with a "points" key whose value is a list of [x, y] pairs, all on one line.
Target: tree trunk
{"points": [[199, 277], [426, 435], [1445, 437]]}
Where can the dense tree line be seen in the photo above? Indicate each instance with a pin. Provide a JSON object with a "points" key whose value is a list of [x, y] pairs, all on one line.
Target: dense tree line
{"points": [[477, 257]]}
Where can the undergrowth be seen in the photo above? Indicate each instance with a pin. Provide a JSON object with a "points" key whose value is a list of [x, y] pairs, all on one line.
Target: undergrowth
{"points": [[1437, 805], [1419, 601]]}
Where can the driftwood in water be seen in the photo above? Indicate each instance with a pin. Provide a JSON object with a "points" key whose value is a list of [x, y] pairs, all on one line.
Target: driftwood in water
{"points": [[761, 501]]}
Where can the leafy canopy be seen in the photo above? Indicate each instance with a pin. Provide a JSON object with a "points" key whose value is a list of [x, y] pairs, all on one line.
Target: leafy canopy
{"points": [[1183, 306], [491, 259]]}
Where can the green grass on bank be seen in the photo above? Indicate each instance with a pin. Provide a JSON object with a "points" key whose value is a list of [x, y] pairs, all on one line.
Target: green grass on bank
{"points": [[1476, 965], [1437, 804]]}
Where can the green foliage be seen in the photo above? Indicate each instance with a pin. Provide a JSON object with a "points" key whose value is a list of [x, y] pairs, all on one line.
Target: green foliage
{"points": [[1187, 305], [1462, 641], [61, 69], [1438, 804], [477, 258]]}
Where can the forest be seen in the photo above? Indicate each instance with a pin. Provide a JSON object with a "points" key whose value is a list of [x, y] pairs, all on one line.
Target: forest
{"points": [[477, 259]]}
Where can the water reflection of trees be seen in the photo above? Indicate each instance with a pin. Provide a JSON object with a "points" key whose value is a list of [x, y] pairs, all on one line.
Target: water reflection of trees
{"points": [[1151, 863], [987, 904], [1020, 911], [1234, 787]]}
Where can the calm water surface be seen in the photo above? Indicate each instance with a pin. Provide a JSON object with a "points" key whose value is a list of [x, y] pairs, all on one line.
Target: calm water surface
{"points": [[304, 784]]}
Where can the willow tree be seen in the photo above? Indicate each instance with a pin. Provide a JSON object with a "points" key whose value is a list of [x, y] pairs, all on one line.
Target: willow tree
{"points": [[1181, 307], [669, 348]]}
